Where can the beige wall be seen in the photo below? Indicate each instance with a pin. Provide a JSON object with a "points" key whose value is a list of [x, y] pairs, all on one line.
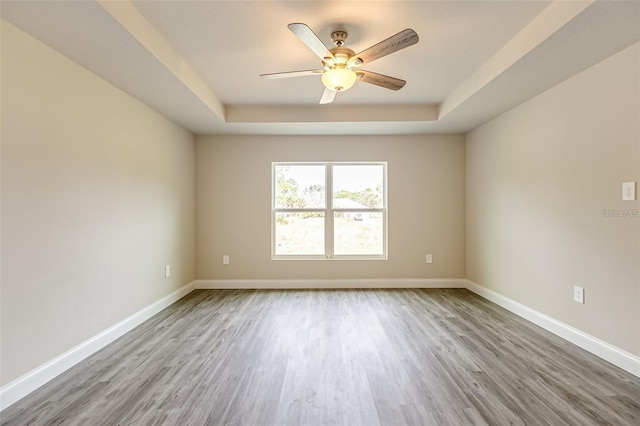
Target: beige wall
{"points": [[97, 196], [538, 179], [426, 205]]}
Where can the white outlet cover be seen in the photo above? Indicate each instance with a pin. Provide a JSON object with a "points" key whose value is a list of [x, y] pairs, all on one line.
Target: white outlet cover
{"points": [[578, 294], [628, 191]]}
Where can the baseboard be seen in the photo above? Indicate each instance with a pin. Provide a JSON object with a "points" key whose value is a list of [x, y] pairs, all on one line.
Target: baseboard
{"points": [[24, 385], [331, 283], [600, 348]]}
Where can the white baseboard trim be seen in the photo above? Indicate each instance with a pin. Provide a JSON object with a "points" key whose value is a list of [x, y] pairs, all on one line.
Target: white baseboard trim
{"points": [[600, 348], [330, 283], [24, 385]]}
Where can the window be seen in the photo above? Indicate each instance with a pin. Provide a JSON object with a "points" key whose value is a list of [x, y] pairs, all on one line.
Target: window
{"points": [[329, 211]]}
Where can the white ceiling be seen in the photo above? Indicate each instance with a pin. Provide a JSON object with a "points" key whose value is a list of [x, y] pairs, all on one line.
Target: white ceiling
{"points": [[198, 62]]}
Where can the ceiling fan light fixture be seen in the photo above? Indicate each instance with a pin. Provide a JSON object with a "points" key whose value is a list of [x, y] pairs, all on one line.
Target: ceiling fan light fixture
{"points": [[339, 79], [339, 64]]}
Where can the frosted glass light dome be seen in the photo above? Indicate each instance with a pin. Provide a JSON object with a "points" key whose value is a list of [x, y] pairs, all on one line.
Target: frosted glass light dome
{"points": [[339, 79]]}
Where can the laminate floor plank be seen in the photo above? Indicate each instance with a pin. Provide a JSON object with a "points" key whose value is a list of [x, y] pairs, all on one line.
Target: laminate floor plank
{"points": [[335, 357]]}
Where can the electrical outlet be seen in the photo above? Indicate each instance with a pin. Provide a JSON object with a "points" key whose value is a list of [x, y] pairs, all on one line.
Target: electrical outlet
{"points": [[429, 258], [225, 260], [628, 191], [578, 294], [167, 271]]}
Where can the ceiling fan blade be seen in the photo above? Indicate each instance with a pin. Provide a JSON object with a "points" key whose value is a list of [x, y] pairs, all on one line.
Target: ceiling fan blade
{"points": [[291, 74], [328, 96], [380, 80], [312, 41], [394, 43]]}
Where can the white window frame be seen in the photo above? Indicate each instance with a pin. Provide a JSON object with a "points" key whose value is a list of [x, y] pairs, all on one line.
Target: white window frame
{"points": [[328, 212]]}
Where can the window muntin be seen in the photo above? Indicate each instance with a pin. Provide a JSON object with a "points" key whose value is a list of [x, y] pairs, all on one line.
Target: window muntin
{"points": [[329, 211]]}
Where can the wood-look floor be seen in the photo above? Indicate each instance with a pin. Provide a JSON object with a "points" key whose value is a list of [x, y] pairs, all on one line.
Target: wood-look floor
{"points": [[335, 357]]}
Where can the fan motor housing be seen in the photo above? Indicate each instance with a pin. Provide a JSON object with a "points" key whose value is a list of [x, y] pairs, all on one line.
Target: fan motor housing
{"points": [[342, 55]]}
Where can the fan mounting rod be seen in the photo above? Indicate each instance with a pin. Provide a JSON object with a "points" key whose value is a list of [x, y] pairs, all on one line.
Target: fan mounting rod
{"points": [[339, 37]]}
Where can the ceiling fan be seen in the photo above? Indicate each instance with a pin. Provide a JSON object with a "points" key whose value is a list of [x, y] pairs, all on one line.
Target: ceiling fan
{"points": [[340, 65]]}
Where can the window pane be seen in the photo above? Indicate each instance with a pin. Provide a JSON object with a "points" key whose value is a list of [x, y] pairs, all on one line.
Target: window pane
{"points": [[358, 186], [300, 233], [299, 186], [358, 233]]}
